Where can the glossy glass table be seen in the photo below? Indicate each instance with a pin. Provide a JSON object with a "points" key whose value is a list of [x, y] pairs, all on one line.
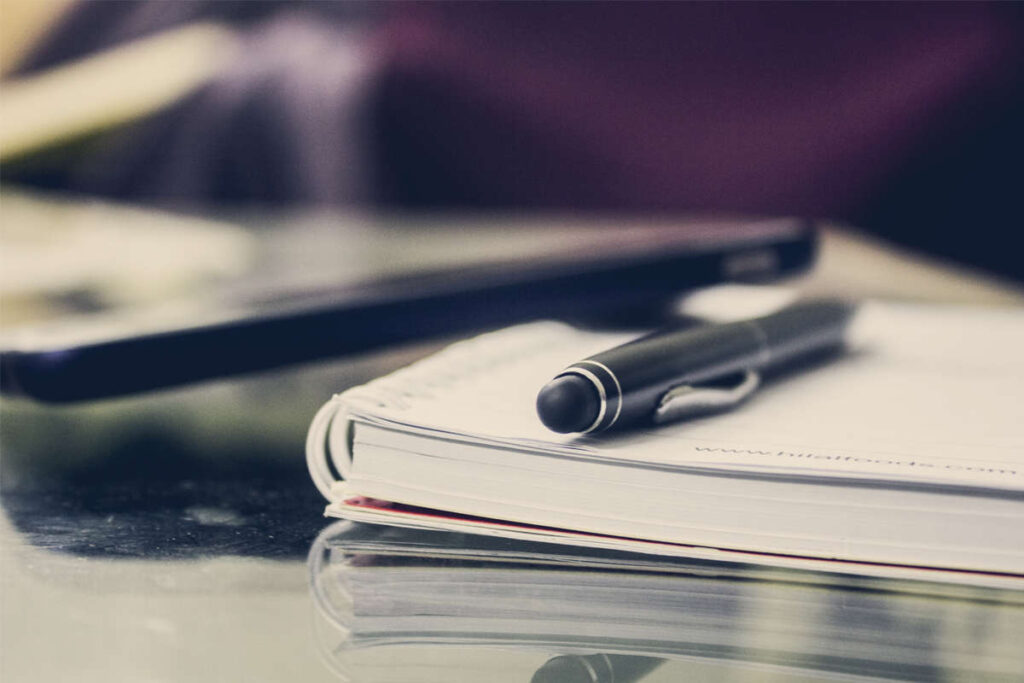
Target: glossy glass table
{"points": [[177, 537]]}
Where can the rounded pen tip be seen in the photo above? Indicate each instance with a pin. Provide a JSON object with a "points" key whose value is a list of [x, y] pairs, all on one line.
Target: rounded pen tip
{"points": [[568, 403]]}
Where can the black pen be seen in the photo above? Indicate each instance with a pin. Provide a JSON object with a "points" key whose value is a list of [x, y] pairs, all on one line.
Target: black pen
{"points": [[679, 373]]}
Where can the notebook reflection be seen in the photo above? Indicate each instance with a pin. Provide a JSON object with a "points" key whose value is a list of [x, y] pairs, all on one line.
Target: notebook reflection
{"points": [[413, 605]]}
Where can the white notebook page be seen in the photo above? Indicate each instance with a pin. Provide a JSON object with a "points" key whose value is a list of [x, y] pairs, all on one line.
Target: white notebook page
{"points": [[925, 394]]}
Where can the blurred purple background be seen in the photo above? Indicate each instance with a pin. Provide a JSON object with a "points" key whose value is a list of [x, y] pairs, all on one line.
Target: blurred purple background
{"points": [[902, 118]]}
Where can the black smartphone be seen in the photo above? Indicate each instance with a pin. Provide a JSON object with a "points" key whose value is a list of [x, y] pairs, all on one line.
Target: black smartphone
{"points": [[441, 281]]}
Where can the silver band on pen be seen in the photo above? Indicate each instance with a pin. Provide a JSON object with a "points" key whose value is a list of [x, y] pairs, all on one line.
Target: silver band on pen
{"points": [[609, 391]]}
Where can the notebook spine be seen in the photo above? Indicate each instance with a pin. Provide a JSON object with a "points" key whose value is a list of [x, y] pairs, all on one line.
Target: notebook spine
{"points": [[328, 442], [324, 472]]}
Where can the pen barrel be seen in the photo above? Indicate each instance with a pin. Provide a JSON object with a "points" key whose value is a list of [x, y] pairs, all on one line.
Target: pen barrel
{"points": [[636, 375], [804, 328]]}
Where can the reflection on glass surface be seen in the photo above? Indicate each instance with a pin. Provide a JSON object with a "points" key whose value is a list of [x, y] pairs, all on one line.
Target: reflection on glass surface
{"points": [[409, 605], [164, 537]]}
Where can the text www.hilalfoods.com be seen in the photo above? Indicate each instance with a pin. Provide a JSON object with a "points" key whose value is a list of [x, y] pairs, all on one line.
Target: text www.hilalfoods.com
{"points": [[859, 459]]}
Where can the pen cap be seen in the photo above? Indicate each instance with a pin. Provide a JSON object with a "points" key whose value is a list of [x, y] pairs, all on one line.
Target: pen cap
{"points": [[629, 382], [636, 376]]}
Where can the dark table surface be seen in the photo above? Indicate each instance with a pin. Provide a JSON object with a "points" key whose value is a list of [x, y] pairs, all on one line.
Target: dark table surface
{"points": [[161, 538]]}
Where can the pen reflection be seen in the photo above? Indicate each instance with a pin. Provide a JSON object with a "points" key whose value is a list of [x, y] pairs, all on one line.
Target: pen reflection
{"points": [[395, 604], [599, 668]]}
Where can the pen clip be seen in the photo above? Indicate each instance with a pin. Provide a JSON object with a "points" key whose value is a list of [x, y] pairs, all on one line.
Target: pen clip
{"points": [[688, 400]]}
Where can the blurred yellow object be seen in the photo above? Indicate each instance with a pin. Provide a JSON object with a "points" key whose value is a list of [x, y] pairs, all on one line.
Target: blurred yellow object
{"points": [[22, 22], [106, 90], [59, 253]]}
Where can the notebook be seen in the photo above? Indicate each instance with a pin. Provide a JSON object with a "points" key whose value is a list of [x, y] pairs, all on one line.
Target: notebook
{"points": [[383, 592], [907, 451]]}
